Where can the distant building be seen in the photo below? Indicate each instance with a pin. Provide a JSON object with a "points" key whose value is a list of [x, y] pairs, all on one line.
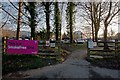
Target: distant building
{"points": [[25, 34], [10, 33], [77, 35], [117, 36]]}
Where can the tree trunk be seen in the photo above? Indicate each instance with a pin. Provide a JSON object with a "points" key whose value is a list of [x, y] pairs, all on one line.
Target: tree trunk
{"points": [[96, 36], [71, 34], [19, 20], [32, 19], [56, 20], [105, 38], [33, 33], [32, 25], [71, 22], [96, 31], [92, 32], [57, 33], [71, 31], [48, 26], [92, 25]]}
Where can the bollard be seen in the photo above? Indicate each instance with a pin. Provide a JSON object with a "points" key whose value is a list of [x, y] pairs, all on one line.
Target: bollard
{"points": [[90, 45]]}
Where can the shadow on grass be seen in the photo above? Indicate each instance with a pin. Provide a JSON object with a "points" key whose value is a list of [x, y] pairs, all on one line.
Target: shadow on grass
{"points": [[110, 63], [13, 63]]}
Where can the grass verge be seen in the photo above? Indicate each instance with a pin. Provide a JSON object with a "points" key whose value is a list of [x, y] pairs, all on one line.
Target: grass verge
{"points": [[110, 60], [14, 63]]}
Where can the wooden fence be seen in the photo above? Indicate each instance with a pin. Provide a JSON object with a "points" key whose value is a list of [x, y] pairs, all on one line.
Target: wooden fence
{"points": [[114, 49], [43, 50], [0, 45]]}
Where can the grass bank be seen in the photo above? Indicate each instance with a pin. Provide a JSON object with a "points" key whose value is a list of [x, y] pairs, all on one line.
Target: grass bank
{"points": [[13, 63]]}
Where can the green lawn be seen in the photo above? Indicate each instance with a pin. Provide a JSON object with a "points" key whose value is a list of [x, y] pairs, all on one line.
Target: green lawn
{"points": [[74, 47], [110, 59], [108, 62]]}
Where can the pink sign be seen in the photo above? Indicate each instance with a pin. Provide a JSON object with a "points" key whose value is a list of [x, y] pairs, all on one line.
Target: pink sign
{"points": [[22, 47]]}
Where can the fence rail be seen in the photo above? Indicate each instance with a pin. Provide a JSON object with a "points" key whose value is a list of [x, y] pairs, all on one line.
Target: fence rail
{"points": [[43, 50], [114, 48]]}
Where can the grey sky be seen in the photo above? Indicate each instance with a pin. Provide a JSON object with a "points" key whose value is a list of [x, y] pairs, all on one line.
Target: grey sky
{"points": [[62, 0], [80, 22]]}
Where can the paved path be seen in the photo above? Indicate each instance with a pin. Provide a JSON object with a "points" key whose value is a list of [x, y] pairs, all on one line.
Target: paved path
{"points": [[74, 67]]}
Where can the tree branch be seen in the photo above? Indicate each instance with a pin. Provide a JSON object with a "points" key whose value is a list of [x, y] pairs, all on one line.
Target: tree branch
{"points": [[113, 16], [9, 13], [86, 19], [109, 12], [18, 9], [5, 22], [13, 16]]}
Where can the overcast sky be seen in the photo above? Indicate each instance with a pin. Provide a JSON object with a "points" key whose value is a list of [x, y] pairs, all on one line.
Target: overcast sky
{"points": [[80, 22]]}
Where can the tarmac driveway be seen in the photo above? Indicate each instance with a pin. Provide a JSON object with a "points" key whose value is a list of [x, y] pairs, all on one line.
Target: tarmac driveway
{"points": [[74, 67]]}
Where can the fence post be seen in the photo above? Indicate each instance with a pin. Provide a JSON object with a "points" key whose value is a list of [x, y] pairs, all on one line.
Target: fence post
{"points": [[32, 38], [4, 43], [116, 50], [116, 47], [88, 51]]}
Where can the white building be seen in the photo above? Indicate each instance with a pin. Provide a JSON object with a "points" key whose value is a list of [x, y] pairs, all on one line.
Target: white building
{"points": [[77, 35]]}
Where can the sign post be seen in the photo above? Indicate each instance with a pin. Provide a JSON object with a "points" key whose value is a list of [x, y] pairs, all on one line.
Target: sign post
{"points": [[89, 46], [52, 44]]}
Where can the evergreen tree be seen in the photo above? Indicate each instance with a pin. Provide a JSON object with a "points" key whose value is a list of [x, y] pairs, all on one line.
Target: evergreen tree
{"points": [[47, 14], [32, 20], [57, 20], [70, 17]]}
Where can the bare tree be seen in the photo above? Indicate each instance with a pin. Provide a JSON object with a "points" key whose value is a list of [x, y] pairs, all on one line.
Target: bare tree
{"points": [[96, 18], [110, 10], [5, 22], [12, 17], [19, 19], [92, 13]]}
